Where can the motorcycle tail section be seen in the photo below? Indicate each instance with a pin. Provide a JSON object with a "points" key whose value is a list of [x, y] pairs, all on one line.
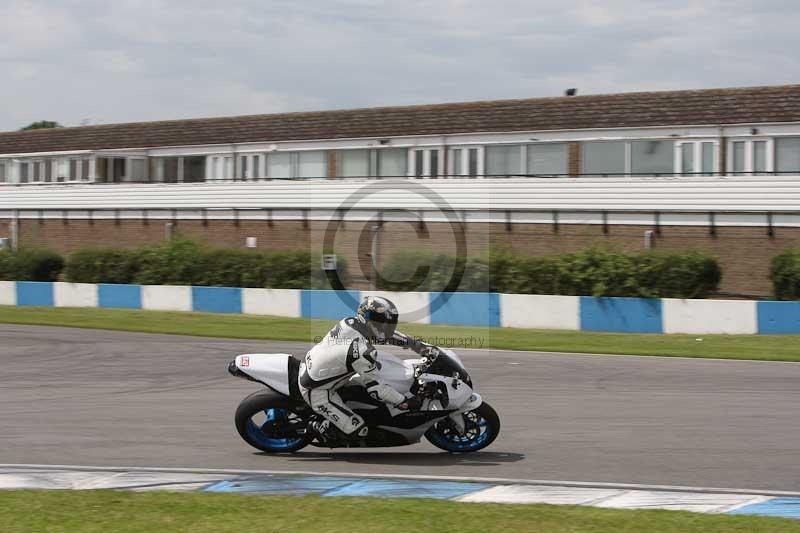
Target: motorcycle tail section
{"points": [[278, 371]]}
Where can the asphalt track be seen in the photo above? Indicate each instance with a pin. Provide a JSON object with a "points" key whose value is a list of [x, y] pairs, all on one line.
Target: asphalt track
{"points": [[87, 397]]}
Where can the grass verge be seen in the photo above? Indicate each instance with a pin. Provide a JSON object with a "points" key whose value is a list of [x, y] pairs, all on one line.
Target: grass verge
{"points": [[101, 511], [752, 347]]}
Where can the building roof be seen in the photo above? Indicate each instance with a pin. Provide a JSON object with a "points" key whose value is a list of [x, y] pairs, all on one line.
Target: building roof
{"points": [[645, 109]]}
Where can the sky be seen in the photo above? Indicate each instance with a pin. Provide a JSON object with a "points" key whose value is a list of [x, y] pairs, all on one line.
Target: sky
{"points": [[99, 61]]}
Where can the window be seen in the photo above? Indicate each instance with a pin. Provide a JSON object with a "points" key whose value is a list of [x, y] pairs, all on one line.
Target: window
{"points": [[472, 162], [419, 163], [110, 169], [138, 169], [457, 165], [353, 163], [465, 162], [101, 169], [640, 157], [697, 158], [3, 172], [284, 165], [391, 162], [760, 157], [194, 169], [165, 169], [118, 169], [311, 164], [78, 169], [61, 170], [751, 157], [24, 172], [434, 163], [546, 159], [189, 169], [787, 155], [687, 158], [219, 167], [652, 157], [48, 169], [504, 160], [708, 158], [605, 158], [85, 165], [739, 158], [426, 162], [279, 165], [250, 166]]}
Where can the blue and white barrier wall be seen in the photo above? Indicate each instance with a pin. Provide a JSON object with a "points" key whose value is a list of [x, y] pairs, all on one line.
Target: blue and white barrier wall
{"points": [[576, 313]]}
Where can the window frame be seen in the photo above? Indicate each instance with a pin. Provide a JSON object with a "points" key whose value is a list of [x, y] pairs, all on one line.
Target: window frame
{"points": [[527, 146], [463, 153], [697, 158], [774, 151], [627, 157], [749, 156], [425, 167]]}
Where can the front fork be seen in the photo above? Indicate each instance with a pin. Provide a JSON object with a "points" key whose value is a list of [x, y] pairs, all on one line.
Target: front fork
{"points": [[457, 417]]}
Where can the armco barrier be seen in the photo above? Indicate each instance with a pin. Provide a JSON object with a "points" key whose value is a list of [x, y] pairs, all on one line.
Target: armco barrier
{"points": [[630, 315]]}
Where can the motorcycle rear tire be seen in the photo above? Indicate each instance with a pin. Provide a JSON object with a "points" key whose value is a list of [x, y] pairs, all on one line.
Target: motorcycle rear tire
{"points": [[264, 400]]}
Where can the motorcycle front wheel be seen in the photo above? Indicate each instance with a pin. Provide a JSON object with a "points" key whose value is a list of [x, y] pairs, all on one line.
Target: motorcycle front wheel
{"points": [[482, 425], [271, 423]]}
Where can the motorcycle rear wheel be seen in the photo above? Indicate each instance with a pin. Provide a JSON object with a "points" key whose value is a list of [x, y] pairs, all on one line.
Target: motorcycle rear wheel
{"points": [[481, 428], [263, 418]]}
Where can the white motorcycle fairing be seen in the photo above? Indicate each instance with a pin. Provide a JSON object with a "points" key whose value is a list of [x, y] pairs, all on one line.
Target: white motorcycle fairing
{"points": [[271, 369]]}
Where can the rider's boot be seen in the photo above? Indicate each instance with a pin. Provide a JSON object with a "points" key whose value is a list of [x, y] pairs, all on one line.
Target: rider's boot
{"points": [[328, 432]]}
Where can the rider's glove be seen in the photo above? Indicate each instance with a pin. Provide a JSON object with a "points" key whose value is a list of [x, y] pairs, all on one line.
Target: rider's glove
{"points": [[431, 352], [411, 404], [415, 345]]}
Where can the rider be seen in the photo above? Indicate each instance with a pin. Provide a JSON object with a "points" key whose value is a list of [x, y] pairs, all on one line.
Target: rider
{"points": [[349, 349]]}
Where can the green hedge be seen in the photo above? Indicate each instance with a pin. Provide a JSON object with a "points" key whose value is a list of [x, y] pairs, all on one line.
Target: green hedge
{"points": [[101, 265], [433, 272], [785, 275], [182, 262], [30, 265], [592, 272]]}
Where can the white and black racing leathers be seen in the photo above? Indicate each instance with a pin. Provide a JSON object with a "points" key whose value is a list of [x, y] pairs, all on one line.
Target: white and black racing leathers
{"points": [[345, 350]]}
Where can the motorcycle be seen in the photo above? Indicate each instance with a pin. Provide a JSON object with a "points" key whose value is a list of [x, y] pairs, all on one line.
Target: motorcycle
{"points": [[452, 416]]}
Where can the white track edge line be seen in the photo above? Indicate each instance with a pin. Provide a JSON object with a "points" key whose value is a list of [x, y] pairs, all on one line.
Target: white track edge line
{"points": [[500, 481]]}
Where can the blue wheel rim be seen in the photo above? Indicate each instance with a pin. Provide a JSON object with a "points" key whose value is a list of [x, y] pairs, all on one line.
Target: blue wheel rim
{"points": [[255, 431], [465, 443]]}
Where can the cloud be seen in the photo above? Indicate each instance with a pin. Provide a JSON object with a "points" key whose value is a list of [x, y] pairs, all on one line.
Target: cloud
{"points": [[127, 60]]}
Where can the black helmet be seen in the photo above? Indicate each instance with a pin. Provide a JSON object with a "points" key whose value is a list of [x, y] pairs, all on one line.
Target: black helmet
{"points": [[380, 316]]}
